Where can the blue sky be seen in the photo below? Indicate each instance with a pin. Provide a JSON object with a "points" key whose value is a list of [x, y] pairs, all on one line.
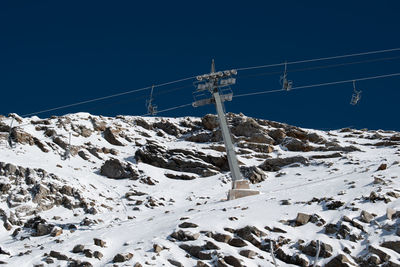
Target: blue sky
{"points": [[54, 53]]}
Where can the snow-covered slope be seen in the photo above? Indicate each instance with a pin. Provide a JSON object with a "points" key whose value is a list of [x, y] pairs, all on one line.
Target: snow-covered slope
{"points": [[142, 191]]}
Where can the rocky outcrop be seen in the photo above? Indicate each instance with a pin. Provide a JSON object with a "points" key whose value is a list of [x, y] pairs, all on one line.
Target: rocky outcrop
{"points": [[181, 160]]}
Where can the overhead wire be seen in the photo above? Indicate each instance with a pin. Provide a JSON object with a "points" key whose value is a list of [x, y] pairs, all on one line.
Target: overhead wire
{"points": [[190, 78], [321, 67], [319, 59], [296, 88], [106, 97]]}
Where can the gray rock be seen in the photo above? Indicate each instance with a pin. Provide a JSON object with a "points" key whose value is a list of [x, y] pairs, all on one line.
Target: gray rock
{"points": [[99, 242], [253, 173], [393, 245], [237, 242], [221, 237], [110, 136], [383, 256], [57, 255], [276, 164], [339, 261], [231, 260], [78, 249], [185, 235], [122, 257], [389, 213], [175, 263], [113, 168], [302, 218], [366, 216], [248, 253]]}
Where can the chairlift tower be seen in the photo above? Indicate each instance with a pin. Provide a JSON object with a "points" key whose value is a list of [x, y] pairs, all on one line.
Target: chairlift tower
{"points": [[217, 83]]}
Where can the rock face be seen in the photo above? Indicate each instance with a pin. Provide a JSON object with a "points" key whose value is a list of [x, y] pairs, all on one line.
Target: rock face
{"points": [[113, 168], [181, 160]]}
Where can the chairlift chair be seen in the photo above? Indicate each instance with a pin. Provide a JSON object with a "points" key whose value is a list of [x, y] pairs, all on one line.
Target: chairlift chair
{"points": [[356, 97], [286, 84]]}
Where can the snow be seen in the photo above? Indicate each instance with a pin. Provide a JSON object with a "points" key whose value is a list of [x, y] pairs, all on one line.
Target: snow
{"points": [[202, 200]]}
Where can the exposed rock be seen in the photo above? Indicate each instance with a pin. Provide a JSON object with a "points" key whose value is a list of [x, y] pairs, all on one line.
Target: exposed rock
{"points": [[99, 242], [175, 263], [231, 260], [110, 136], [56, 231], [210, 122], [122, 257], [58, 255], [293, 144], [311, 249], [180, 176], [98, 255], [185, 235], [366, 216], [78, 249], [167, 127], [389, 213], [393, 245], [382, 167], [113, 168], [221, 237], [43, 229], [302, 218], [157, 248], [278, 135], [339, 261], [248, 253], [188, 225], [181, 160], [253, 173], [383, 256], [237, 242], [277, 163]]}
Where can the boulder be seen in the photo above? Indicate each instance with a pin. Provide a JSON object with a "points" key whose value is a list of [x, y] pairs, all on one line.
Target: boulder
{"points": [[99, 242], [210, 122], [382, 167], [237, 242], [57, 255], [302, 218], [293, 144], [366, 216], [311, 249], [113, 168], [110, 136], [221, 237], [276, 164], [185, 235], [393, 245], [253, 173], [122, 257], [339, 261], [78, 248]]}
